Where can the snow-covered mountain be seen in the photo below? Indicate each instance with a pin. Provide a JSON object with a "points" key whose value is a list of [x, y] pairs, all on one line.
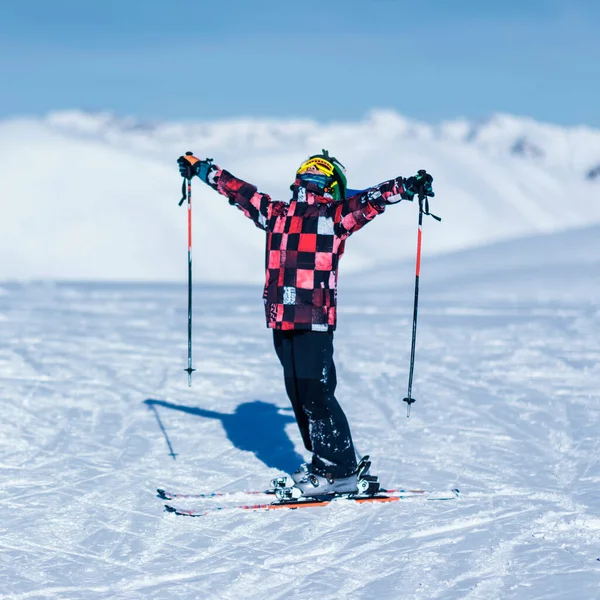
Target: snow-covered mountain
{"points": [[571, 149], [571, 257], [93, 196]]}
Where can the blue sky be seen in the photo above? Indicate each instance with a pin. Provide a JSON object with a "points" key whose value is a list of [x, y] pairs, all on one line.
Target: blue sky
{"points": [[201, 59]]}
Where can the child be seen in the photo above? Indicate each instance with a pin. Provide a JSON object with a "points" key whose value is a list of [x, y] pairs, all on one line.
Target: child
{"points": [[305, 240]]}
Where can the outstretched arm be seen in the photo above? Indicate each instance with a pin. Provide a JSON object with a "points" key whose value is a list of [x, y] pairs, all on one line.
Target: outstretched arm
{"points": [[255, 205], [363, 206], [357, 210], [246, 197]]}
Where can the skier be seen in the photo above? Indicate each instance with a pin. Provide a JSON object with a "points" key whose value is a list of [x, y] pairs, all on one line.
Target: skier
{"points": [[305, 240]]}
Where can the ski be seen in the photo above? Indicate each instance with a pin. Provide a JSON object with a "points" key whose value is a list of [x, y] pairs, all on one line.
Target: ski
{"points": [[382, 497], [164, 494], [167, 495]]}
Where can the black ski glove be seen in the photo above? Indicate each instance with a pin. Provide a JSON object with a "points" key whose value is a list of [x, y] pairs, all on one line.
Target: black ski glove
{"points": [[419, 183], [189, 166]]}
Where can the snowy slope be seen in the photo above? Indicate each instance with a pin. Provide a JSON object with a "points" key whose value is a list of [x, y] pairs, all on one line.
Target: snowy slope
{"points": [[507, 379], [99, 198], [570, 258]]}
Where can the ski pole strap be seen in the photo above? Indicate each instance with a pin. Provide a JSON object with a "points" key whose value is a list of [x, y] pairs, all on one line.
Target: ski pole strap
{"points": [[183, 192], [424, 207]]}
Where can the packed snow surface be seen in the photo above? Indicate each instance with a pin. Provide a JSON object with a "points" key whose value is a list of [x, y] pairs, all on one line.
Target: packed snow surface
{"points": [[97, 414], [94, 197]]}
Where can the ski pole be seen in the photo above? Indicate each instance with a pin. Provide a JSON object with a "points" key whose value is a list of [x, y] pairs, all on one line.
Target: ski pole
{"points": [[423, 210], [188, 195]]}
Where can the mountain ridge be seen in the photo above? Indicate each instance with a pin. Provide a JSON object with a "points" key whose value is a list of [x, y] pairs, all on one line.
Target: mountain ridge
{"points": [[85, 198], [504, 133]]}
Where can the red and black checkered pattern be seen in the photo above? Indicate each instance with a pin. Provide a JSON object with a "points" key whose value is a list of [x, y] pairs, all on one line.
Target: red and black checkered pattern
{"points": [[305, 241]]}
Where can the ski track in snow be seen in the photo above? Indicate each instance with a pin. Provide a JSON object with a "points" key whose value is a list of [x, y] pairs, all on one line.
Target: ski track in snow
{"points": [[507, 411]]}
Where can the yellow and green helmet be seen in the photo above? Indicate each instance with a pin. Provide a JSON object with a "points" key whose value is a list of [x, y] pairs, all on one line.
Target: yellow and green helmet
{"points": [[334, 182]]}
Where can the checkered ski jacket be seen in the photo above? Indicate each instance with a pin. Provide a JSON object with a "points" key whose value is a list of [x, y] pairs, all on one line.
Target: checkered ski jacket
{"points": [[305, 241]]}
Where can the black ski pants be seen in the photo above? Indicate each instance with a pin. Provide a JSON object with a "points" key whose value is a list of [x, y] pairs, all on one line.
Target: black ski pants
{"points": [[310, 380]]}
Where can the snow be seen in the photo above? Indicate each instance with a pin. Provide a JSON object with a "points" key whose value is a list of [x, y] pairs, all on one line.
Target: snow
{"points": [[94, 197], [97, 414]]}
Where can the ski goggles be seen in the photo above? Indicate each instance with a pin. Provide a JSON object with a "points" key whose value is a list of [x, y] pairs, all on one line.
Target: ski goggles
{"points": [[321, 180]]}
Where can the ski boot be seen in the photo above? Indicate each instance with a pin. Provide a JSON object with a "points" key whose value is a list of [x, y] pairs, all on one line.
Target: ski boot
{"points": [[309, 484], [315, 486], [287, 481]]}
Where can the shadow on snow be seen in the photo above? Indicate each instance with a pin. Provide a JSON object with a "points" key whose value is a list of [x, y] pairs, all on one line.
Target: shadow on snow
{"points": [[257, 427]]}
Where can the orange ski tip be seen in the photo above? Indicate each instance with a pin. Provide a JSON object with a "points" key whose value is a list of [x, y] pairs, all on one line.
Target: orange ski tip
{"points": [[379, 499]]}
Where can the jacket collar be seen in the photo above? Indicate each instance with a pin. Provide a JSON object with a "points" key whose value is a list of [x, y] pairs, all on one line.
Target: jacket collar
{"points": [[309, 193]]}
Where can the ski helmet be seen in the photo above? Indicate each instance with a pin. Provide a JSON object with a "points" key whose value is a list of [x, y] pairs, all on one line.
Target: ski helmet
{"points": [[330, 176]]}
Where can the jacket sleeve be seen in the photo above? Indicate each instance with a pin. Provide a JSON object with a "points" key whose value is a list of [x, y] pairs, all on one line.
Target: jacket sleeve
{"points": [[357, 210], [253, 204]]}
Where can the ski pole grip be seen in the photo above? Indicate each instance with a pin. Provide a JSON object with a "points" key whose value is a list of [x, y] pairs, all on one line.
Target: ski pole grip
{"points": [[421, 193], [188, 176], [190, 169]]}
